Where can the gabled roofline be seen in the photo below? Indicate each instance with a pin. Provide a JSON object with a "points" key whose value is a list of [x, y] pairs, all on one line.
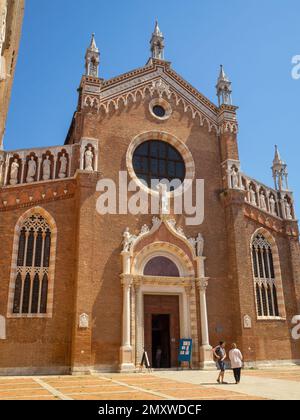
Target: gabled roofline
{"points": [[152, 65]]}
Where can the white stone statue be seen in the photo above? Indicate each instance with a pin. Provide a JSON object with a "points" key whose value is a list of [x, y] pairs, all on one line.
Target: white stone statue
{"points": [[31, 170], [84, 321], [199, 245], [163, 199], [63, 166], [46, 168], [89, 157], [235, 178], [288, 210], [252, 196], [263, 203], [128, 240], [14, 172], [272, 206]]}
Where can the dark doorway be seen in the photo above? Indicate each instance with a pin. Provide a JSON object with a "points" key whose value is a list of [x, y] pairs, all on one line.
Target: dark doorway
{"points": [[162, 328], [161, 342]]}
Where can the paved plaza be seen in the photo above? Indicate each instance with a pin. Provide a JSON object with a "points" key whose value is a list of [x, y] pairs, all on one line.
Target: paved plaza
{"points": [[160, 385]]}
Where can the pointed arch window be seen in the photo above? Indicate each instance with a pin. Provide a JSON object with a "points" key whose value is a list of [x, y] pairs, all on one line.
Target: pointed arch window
{"points": [[264, 278], [32, 267]]}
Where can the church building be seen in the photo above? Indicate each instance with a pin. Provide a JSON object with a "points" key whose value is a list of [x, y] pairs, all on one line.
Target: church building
{"points": [[82, 291]]}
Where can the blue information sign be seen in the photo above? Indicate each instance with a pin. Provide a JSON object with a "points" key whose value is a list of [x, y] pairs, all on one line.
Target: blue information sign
{"points": [[185, 350]]}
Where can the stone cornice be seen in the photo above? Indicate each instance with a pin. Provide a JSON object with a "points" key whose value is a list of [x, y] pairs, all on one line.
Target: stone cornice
{"points": [[21, 197], [289, 228]]}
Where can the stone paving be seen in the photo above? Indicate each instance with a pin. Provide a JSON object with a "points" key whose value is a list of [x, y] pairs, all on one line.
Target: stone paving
{"points": [[159, 385]]}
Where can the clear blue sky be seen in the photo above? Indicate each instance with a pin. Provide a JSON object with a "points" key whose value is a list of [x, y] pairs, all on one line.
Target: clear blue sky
{"points": [[255, 40]]}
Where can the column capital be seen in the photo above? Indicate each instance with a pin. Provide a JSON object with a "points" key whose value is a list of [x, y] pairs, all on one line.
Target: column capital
{"points": [[126, 280], [202, 284], [137, 282]]}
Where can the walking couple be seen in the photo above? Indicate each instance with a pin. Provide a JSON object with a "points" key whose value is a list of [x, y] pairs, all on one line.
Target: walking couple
{"points": [[236, 360]]}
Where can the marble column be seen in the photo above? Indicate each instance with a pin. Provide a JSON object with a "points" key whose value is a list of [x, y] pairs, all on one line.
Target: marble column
{"points": [[206, 356], [139, 336], [126, 357]]}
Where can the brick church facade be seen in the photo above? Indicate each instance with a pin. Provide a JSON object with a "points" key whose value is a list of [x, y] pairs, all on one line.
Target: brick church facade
{"points": [[82, 292]]}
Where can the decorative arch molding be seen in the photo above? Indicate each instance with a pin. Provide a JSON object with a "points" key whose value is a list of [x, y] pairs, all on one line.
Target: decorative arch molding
{"points": [[166, 137], [52, 258], [157, 87], [163, 249], [277, 271], [131, 242]]}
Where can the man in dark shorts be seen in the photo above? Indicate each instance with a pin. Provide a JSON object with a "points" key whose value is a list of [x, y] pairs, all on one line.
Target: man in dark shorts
{"points": [[220, 356]]}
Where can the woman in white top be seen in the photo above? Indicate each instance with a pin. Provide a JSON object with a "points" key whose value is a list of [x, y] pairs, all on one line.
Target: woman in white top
{"points": [[236, 359]]}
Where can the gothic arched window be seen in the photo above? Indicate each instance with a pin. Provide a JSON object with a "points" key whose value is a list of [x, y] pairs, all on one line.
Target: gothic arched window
{"points": [[264, 277], [31, 276]]}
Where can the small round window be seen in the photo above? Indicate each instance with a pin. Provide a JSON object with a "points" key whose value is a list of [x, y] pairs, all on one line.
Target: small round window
{"points": [[159, 111], [155, 160]]}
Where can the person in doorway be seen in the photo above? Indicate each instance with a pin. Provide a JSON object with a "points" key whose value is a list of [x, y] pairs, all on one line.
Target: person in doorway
{"points": [[158, 357], [220, 356], [236, 359]]}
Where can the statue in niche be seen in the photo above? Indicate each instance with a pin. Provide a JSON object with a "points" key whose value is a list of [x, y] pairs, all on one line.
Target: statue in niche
{"points": [[89, 157], [235, 178], [84, 321], [272, 205], [263, 203], [63, 166], [46, 168], [14, 172], [31, 170], [288, 210], [252, 196]]}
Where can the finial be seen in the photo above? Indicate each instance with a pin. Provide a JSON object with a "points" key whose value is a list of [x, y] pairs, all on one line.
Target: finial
{"points": [[224, 88], [93, 45], [157, 43], [92, 58], [277, 158], [156, 29], [280, 172], [222, 75]]}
